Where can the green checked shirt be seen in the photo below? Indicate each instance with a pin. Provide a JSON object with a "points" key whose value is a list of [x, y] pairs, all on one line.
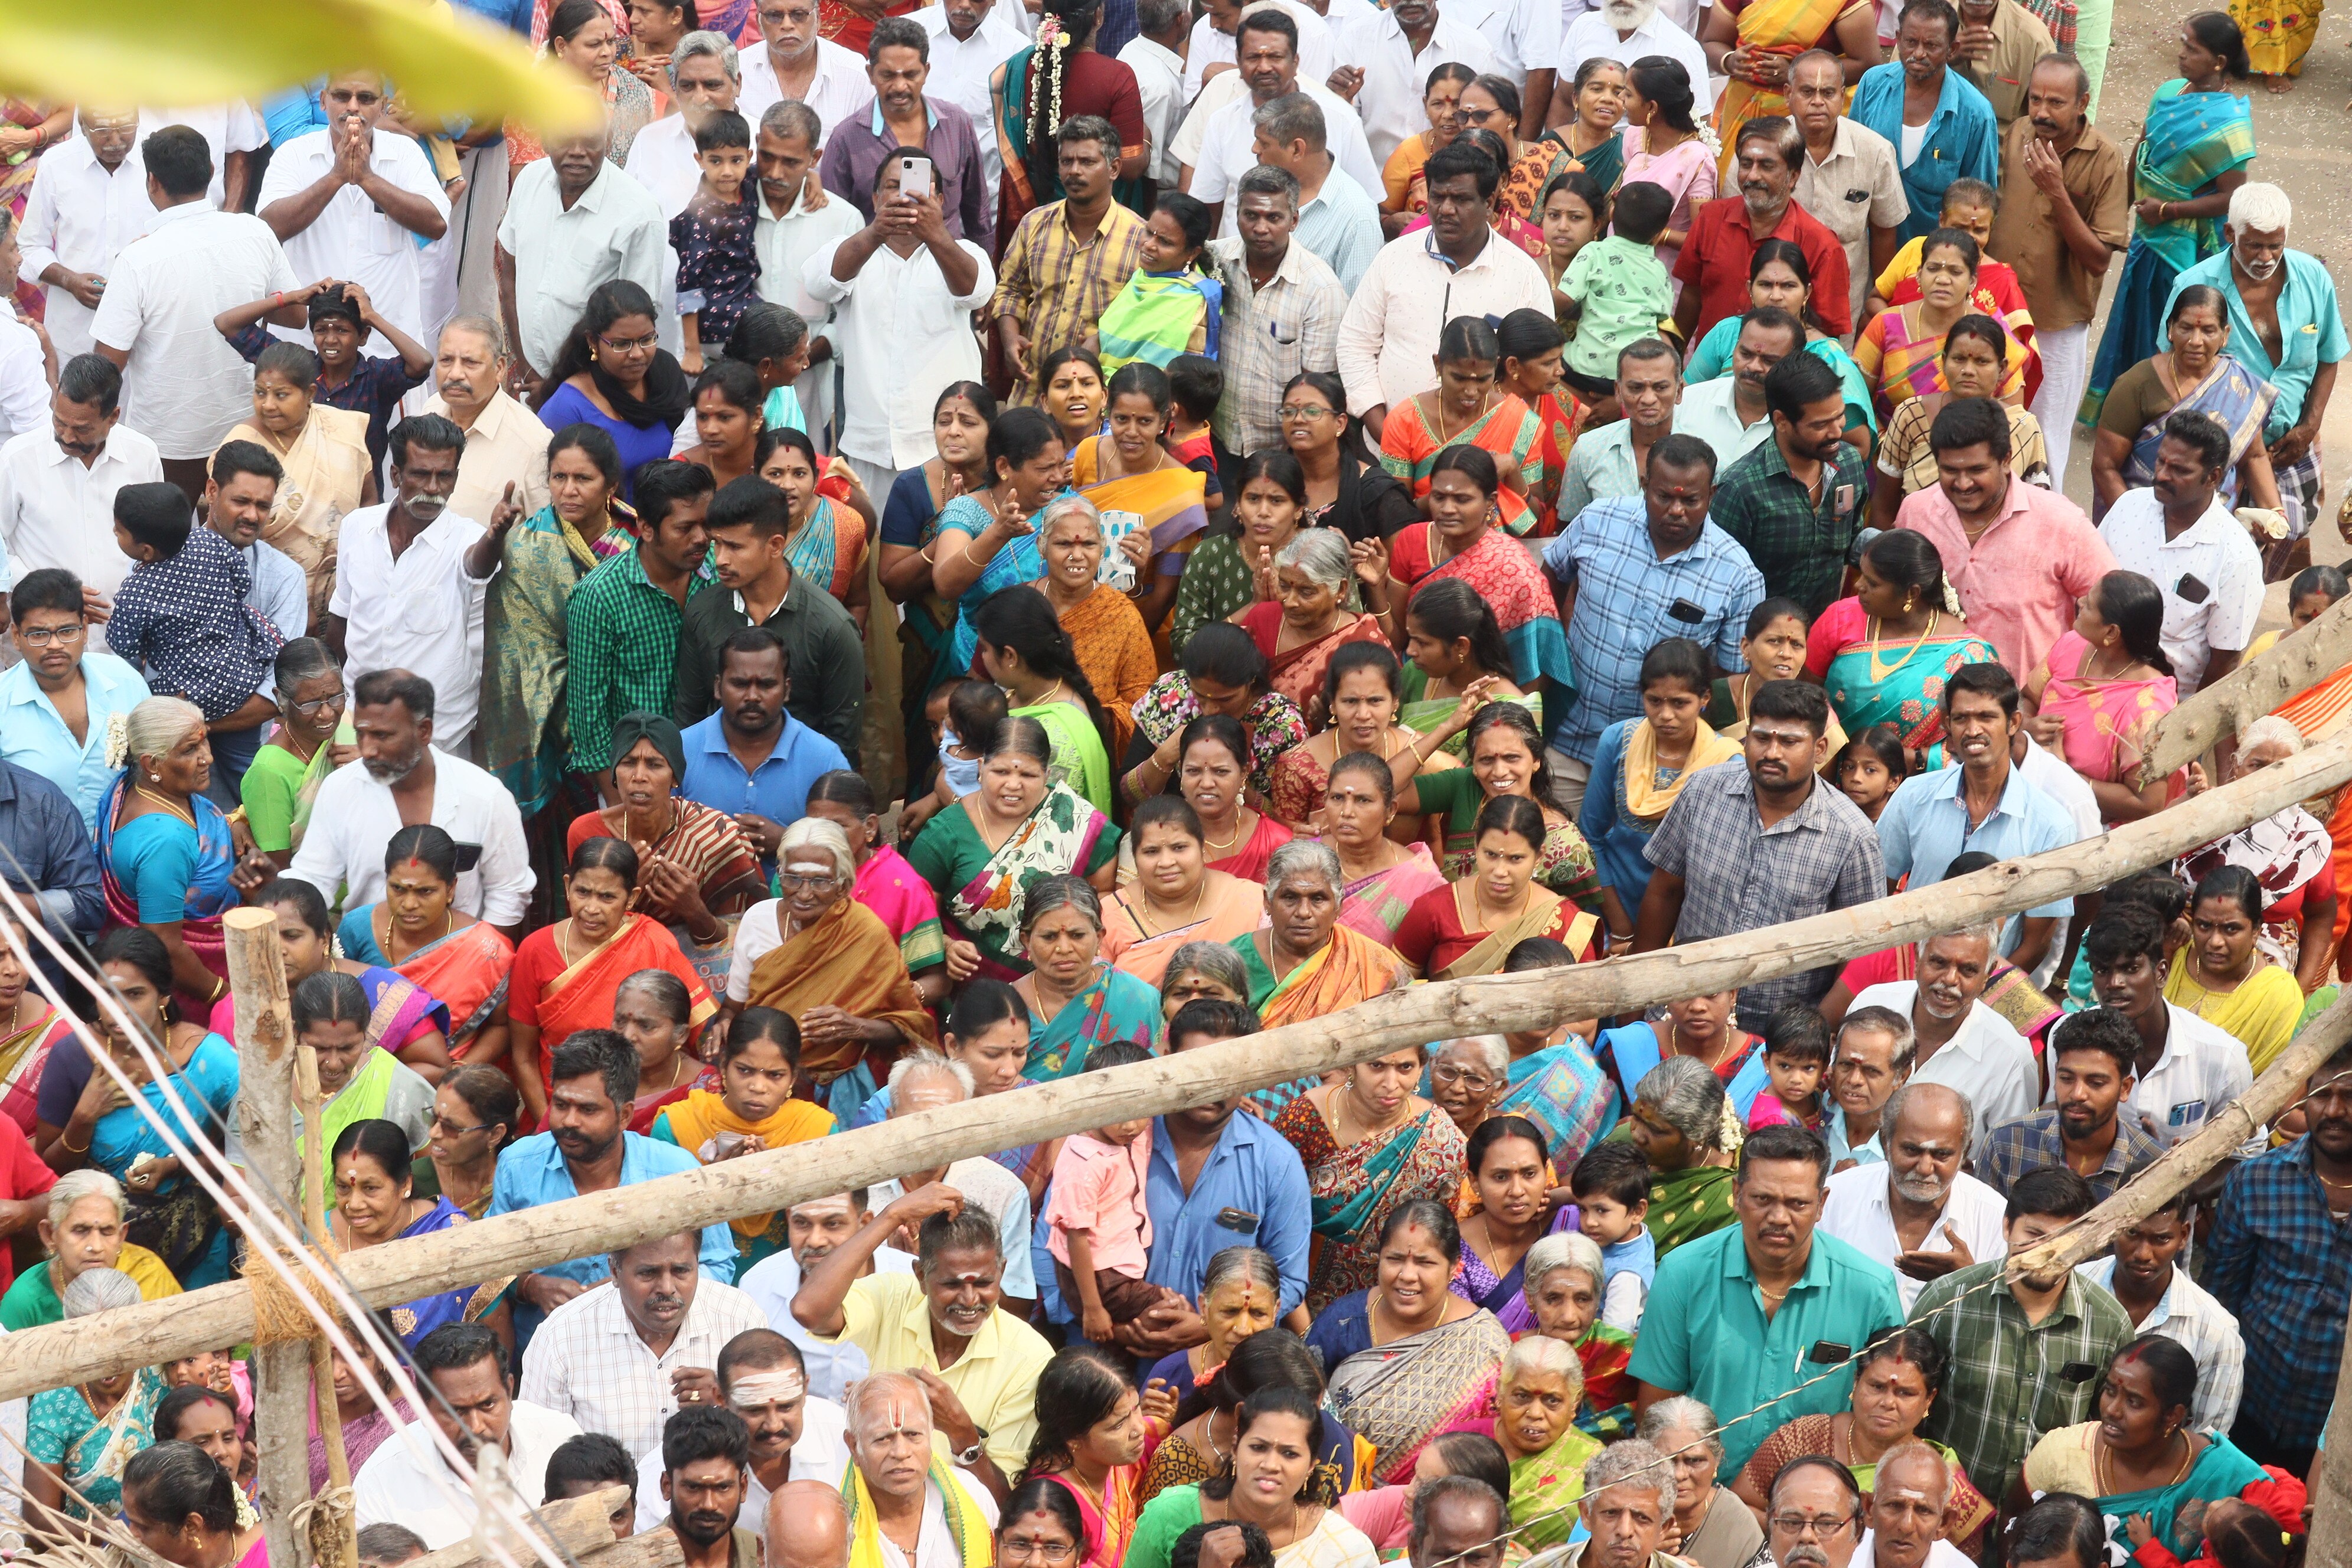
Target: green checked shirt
{"points": [[1798, 543], [2010, 1383], [620, 634]]}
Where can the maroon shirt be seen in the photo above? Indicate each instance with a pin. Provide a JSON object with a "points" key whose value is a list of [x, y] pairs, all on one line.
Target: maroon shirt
{"points": [[1715, 262]]}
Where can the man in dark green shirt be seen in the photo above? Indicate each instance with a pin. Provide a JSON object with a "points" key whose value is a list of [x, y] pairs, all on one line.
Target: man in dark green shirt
{"points": [[750, 522], [1796, 502]]}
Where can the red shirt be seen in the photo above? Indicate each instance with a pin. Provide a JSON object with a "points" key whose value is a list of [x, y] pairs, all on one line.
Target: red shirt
{"points": [[22, 1177], [1715, 262]]}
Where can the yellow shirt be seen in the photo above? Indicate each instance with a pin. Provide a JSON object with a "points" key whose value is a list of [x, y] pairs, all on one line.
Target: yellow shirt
{"points": [[147, 1272], [888, 1316]]}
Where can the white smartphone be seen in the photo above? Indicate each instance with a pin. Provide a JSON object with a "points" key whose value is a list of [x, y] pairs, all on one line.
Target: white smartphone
{"points": [[915, 178]]}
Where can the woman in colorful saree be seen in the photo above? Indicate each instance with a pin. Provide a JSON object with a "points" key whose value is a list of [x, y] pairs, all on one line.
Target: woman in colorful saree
{"points": [[1128, 473], [1379, 879], [1203, 1442], [1461, 540], [2152, 1474], [1277, 1480], [1357, 698], [1753, 42], [960, 418], [979, 543], [2289, 854], [1303, 964], [1020, 646], [1900, 353], [2318, 713], [1970, 206], [1664, 145], [1973, 351], [166, 858], [406, 1020], [374, 1203], [2222, 975], [1404, 188], [1884, 654], [1682, 1121], [1075, 1000], [1536, 1394], [1212, 774], [983, 855], [753, 1108], [1106, 632], [1562, 1301], [1640, 766], [1894, 1384], [1452, 641], [1241, 1294], [82, 1435], [1594, 139], [886, 883], [302, 749], [826, 961], [566, 975], [324, 452], [358, 1081], [1408, 1357], [1468, 926], [1507, 758], [827, 541], [1302, 617], [1221, 579], [2195, 144], [1089, 1443], [417, 932], [1371, 1146], [1222, 675], [1510, 1177], [1702, 1029], [1177, 896], [365, 1428], [166, 1212], [2099, 689], [1467, 408], [1053, 81], [32, 1026], [1552, 1078], [1171, 306], [2196, 372]]}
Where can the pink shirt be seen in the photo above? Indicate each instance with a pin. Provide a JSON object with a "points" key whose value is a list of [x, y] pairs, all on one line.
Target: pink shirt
{"points": [[2020, 585], [1098, 1189]]}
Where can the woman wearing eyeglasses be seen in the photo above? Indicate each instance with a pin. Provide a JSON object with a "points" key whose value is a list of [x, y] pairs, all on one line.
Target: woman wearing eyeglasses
{"points": [[1343, 491], [475, 1109], [614, 373], [304, 748], [1041, 1527]]}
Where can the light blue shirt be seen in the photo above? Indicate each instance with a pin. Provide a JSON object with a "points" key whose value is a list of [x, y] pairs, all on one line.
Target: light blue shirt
{"points": [[1867, 1152], [280, 592], [33, 736], [1253, 1173], [778, 790], [1342, 225], [1924, 828], [1963, 139], [2310, 329], [531, 1171]]}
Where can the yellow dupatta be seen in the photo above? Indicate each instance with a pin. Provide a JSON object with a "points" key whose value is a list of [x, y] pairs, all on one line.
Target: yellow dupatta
{"points": [[1645, 797], [702, 1116], [975, 1546], [1783, 28], [1537, 916]]}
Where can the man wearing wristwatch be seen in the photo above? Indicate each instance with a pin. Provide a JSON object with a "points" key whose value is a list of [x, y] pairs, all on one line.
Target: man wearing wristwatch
{"points": [[942, 1325]]}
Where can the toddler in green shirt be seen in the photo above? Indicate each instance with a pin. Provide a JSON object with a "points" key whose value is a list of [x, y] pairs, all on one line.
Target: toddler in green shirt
{"points": [[1620, 286]]}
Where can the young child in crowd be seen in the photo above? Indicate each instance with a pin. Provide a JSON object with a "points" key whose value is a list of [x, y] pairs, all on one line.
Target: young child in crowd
{"points": [[1573, 210], [1869, 766], [718, 263], [1099, 1227], [1611, 1185], [1620, 288], [342, 320], [964, 708], [1797, 1055], [1195, 384]]}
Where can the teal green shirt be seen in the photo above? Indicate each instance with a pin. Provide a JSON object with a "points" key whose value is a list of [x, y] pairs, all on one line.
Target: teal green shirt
{"points": [[1704, 1335]]}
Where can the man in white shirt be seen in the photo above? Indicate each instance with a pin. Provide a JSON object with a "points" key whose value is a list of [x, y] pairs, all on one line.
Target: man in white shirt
{"points": [[970, 38], [1729, 413], [2046, 771], [411, 575], [573, 221], [1270, 68], [1850, 180], [891, 1442], [1624, 31], [2180, 535], [1213, 40], [24, 360], [347, 202], [2160, 1297], [1961, 1042], [1524, 35], [185, 388], [88, 200], [2187, 1070], [1905, 1518], [625, 1357], [57, 484], [786, 232], [796, 1436], [400, 778], [1389, 56], [1916, 1211], [1155, 56], [1388, 340], [408, 1483], [505, 443], [234, 135], [903, 290], [238, 495], [814, 1228], [1338, 220], [706, 75], [798, 64]]}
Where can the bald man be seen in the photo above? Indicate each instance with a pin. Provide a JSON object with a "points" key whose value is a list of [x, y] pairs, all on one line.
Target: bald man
{"points": [[807, 1527], [1918, 1213]]}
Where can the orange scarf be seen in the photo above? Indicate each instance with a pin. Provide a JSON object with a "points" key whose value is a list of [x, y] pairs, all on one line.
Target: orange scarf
{"points": [[848, 958], [1353, 968]]}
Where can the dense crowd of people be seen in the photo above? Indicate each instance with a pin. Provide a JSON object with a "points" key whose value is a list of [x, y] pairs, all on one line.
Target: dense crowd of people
{"points": [[943, 547]]}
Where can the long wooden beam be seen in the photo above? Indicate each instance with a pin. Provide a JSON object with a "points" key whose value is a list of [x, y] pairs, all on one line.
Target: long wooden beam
{"points": [[399, 1272], [2292, 666]]}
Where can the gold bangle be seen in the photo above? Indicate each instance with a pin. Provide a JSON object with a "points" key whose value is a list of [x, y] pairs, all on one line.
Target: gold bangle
{"points": [[220, 989], [70, 1149], [967, 555]]}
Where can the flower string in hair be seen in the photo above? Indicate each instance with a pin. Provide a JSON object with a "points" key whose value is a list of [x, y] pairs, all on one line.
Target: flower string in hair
{"points": [[1049, 44], [118, 737], [1951, 599]]}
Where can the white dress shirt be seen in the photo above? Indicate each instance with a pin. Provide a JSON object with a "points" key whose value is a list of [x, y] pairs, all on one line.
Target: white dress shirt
{"points": [[2203, 1069], [588, 1360], [351, 237], [1859, 1211], [831, 1364], [1207, 46], [81, 216], [1160, 81], [183, 386], [960, 68], [354, 817], [227, 128], [2216, 551], [998, 1193], [662, 160], [420, 611], [2192, 1318], [23, 380], [406, 1482], [1940, 1553], [56, 512], [1388, 338], [614, 230], [1687, 14], [784, 246], [822, 1454], [839, 88], [1591, 35], [1987, 1060], [1524, 33], [1228, 138], [1709, 412], [903, 336], [1396, 79]]}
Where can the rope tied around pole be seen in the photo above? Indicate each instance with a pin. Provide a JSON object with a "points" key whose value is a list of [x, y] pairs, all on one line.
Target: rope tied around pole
{"points": [[284, 1312], [328, 1520]]}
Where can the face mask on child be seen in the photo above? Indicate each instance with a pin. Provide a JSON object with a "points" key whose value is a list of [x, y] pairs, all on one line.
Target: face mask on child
{"points": [[963, 774]]}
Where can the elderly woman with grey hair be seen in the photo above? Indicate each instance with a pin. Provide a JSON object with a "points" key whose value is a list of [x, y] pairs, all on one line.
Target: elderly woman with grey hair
{"points": [[1562, 1301], [1108, 633], [2289, 853], [80, 1437], [1075, 1000], [1303, 613], [1303, 963], [1681, 1123], [1467, 1075], [1711, 1526]]}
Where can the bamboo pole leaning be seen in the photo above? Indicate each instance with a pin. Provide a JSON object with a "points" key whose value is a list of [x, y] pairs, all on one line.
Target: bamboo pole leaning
{"points": [[2289, 667], [400, 1271], [334, 1530]]}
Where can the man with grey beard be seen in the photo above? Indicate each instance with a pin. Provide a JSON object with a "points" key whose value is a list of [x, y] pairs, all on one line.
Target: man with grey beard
{"points": [[1910, 1490], [1627, 1507], [1816, 1517], [1917, 1212], [1962, 1042]]}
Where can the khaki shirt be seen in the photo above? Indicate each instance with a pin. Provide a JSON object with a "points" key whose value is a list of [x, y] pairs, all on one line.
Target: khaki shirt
{"points": [[2058, 290], [2018, 38], [1857, 187], [506, 445]]}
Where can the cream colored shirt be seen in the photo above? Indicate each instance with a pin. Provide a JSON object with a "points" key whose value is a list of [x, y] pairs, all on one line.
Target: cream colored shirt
{"points": [[508, 444]]}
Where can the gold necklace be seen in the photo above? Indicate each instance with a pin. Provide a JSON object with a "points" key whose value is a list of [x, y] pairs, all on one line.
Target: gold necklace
{"points": [[1880, 670], [1190, 917], [1443, 437], [182, 813], [1229, 843]]}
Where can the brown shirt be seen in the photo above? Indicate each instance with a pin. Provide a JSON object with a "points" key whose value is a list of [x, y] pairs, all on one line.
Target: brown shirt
{"points": [[2019, 39], [2058, 290]]}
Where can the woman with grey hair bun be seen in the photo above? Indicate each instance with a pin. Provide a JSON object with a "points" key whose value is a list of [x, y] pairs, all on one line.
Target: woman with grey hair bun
{"points": [[1678, 1122], [1305, 611], [1076, 1001], [283, 781], [81, 1436], [1711, 1526]]}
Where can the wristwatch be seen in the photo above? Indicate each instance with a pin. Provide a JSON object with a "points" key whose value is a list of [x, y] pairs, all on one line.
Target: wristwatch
{"points": [[967, 1458]]}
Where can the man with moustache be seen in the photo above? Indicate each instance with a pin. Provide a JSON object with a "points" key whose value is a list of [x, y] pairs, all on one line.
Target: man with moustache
{"points": [[1796, 501], [2088, 1127], [706, 1453], [1735, 1319], [1282, 298], [814, 1229], [2188, 1069], [1724, 233], [1999, 43], [1627, 1505], [505, 443], [88, 200], [1941, 127], [706, 76], [1960, 1041], [1871, 1061], [575, 222], [238, 495], [787, 230], [1729, 412], [58, 701], [794, 1435], [1816, 1515], [2160, 1298], [1611, 461], [1904, 1525], [2280, 1260], [58, 486], [901, 116], [624, 1361], [903, 1494], [1850, 181], [2178, 534], [1389, 54], [406, 1481], [1458, 1521], [1916, 1211], [1267, 41]]}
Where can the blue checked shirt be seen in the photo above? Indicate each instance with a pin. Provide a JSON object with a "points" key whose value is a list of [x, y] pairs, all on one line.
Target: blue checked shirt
{"points": [[1625, 595], [2283, 1269]]}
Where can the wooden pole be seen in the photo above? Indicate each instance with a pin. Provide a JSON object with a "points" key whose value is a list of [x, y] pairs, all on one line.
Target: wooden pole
{"points": [[2331, 1481], [397, 1271], [264, 1099], [2291, 666], [316, 1178]]}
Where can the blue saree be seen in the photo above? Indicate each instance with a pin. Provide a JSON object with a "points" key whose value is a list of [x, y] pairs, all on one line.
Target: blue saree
{"points": [[415, 1319], [1116, 1006], [1020, 561], [2230, 393]]}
